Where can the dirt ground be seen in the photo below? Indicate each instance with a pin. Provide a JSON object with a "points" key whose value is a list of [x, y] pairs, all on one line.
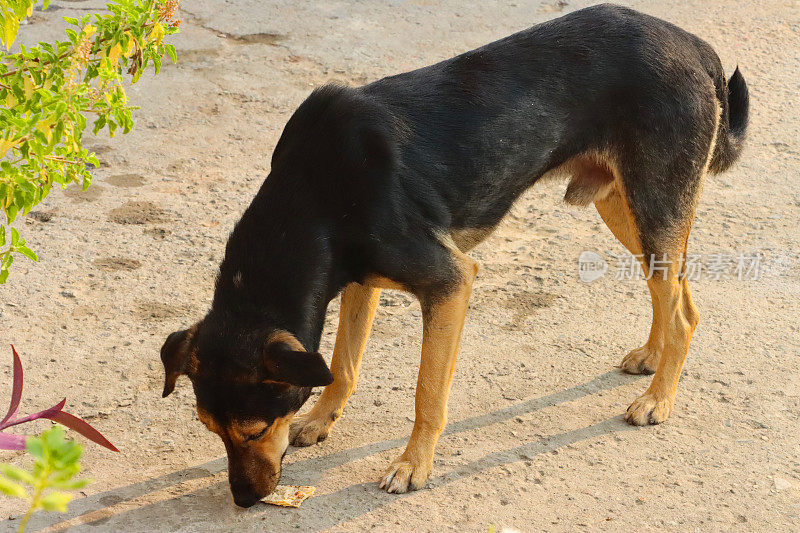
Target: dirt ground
{"points": [[536, 440]]}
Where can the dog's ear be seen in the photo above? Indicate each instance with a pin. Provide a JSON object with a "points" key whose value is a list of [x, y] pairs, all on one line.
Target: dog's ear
{"points": [[302, 369], [286, 361], [175, 356]]}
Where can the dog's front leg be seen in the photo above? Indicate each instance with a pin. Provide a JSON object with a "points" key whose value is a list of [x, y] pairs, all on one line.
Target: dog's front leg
{"points": [[355, 321], [443, 319]]}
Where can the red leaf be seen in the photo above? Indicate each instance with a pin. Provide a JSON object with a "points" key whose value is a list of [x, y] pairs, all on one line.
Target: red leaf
{"points": [[12, 442], [47, 413], [16, 389], [82, 427], [55, 413]]}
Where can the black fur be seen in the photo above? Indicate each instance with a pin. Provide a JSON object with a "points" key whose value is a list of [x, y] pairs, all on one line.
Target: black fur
{"points": [[365, 180], [734, 119], [174, 359], [362, 179]]}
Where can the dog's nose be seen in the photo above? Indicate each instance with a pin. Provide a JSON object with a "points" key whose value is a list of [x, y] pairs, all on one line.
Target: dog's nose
{"points": [[247, 501], [244, 495]]}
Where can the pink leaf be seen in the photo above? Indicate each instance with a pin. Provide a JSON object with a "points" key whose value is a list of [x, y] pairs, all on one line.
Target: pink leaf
{"points": [[47, 413], [82, 427], [12, 442], [16, 389]]}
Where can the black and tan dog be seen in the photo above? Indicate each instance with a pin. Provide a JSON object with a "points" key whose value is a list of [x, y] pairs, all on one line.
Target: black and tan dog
{"points": [[387, 186]]}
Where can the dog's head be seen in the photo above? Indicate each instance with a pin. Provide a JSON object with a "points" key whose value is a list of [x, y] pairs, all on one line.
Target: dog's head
{"points": [[248, 387]]}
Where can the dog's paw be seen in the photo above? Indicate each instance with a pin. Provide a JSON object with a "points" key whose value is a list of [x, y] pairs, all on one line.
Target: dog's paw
{"points": [[404, 475], [642, 360], [307, 430], [648, 409]]}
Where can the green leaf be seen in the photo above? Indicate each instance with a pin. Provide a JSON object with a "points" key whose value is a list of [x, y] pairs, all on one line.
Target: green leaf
{"points": [[65, 473], [27, 252], [98, 124], [53, 438], [70, 457], [170, 49], [35, 447], [21, 9], [7, 260], [10, 29], [56, 501], [11, 213], [16, 474], [70, 485], [45, 4], [9, 488]]}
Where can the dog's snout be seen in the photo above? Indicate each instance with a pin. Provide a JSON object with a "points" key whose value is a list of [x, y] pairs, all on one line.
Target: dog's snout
{"points": [[246, 492], [244, 495], [254, 467], [245, 501]]}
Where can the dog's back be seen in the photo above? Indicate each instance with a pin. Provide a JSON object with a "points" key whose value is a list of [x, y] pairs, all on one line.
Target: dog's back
{"points": [[482, 127]]}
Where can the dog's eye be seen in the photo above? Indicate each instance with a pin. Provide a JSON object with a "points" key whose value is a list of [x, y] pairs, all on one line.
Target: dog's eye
{"points": [[258, 435]]}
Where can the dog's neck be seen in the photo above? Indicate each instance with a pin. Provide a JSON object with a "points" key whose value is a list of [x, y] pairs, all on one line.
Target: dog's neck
{"points": [[278, 270]]}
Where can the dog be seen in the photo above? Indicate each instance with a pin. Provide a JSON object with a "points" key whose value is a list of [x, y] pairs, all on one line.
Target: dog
{"points": [[389, 185]]}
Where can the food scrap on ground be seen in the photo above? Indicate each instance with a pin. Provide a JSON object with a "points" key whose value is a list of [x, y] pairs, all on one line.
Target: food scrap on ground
{"points": [[289, 495]]}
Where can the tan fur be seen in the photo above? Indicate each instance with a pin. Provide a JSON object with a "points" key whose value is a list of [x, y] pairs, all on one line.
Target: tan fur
{"points": [[379, 282], [284, 337], [674, 315], [443, 321], [679, 319], [616, 214], [265, 452], [678, 316], [359, 304], [209, 421], [468, 238], [274, 441]]}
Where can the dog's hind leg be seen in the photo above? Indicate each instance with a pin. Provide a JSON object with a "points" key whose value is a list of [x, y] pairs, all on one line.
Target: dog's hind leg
{"points": [[659, 169], [355, 321], [679, 317], [663, 219], [443, 320], [615, 213]]}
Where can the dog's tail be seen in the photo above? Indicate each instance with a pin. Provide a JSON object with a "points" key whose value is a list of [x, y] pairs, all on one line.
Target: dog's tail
{"points": [[734, 99]]}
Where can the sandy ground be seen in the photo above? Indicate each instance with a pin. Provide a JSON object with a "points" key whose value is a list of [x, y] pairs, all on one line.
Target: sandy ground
{"points": [[536, 440]]}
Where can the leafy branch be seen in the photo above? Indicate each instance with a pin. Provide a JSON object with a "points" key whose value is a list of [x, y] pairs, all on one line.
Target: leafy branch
{"points": [[47, 90]]}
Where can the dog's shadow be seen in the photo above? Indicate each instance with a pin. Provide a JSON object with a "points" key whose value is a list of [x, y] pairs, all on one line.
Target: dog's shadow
{"points": [[210, 507]]}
